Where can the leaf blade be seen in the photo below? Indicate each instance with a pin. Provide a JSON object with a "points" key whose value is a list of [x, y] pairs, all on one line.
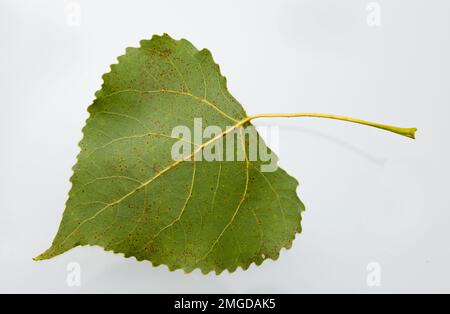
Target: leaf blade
{"points": [[128, 195]]}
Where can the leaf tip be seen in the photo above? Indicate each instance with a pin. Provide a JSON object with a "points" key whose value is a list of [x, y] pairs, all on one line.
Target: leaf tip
{"points": [[50, 253], [38, 258]]}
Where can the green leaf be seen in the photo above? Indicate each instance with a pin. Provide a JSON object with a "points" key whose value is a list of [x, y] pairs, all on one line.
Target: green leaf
{"points": [[128, 194]]}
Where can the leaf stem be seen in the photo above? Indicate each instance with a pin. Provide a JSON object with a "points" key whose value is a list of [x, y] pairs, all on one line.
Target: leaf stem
{"points": [[408, 132]]}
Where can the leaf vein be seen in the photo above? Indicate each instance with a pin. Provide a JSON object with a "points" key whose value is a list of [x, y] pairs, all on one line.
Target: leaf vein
{"points": [[175, 92]]}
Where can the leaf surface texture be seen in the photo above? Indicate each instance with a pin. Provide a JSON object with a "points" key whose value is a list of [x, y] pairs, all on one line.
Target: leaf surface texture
{"points": [[129, 196]]}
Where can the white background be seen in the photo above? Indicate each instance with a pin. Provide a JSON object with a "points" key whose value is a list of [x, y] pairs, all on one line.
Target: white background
{"points": [[371, 196]]}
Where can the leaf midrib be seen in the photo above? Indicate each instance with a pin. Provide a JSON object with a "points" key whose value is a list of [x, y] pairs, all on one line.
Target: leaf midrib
{"points": [[146, 183]]}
